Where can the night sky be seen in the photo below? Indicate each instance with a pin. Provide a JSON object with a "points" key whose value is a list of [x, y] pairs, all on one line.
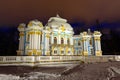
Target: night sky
{"points": [[102, 15], [17, 11]]}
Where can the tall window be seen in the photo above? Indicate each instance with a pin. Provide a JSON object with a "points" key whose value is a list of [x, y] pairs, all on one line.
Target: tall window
{"points": [[62, 52], [55, 51], [90, 41], [68, 41], [62, 41], [79, 43], [28, 37], [55, 40], [40, 37], [68, 52]]}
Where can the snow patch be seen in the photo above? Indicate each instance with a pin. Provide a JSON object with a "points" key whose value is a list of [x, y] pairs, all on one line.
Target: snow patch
{"points": [[112, 72], [29, 76], [39, 75], [9, 77]]}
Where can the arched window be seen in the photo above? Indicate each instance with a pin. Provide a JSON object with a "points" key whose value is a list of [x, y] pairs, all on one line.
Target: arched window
{"points": [[62, 52], [55, 40], [28, 38], [68, 41], [55, 51], [62, 41], [90, 41], [79, 43]]}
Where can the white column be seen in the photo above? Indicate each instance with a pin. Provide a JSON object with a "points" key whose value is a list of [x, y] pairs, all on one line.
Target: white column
{"points": [[32, 41], [38, 40], [20, 43], [84, 45], [96, 47], [59, 39], [65, 41], [52, 39], [99, 44], [48, 43]]}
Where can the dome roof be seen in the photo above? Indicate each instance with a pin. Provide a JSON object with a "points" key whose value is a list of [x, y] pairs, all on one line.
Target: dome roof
{"points": [[22, 25], [35, 23], [56, 22]]}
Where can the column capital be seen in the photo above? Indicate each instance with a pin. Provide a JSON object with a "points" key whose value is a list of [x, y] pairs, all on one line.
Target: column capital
{"points": [[97, 38], [98, 53], [85, 53], [21, 34], [47, 35]]}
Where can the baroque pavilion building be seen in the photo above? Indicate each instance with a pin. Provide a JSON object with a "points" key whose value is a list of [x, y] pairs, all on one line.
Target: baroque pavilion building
{"points": [[56, 38]]}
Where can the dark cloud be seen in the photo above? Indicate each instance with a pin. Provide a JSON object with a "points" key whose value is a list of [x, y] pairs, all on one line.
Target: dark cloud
{"points": [[17, 11]]}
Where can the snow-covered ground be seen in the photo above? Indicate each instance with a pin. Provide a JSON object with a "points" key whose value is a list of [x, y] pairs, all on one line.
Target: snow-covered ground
{"points": [[29, 76], [9, 77], [90, 71]]}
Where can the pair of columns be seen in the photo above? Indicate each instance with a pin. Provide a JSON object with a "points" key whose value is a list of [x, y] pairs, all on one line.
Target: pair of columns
{"points": [[45, 43], [34, 40], [85, 46], [97, 47], [21, 41], [98, 51]]}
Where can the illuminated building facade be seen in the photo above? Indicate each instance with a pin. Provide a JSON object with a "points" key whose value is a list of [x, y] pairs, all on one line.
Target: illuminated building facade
{"points": [[56, 38]]}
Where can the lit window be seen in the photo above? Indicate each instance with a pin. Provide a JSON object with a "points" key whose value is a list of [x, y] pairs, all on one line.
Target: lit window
{"points": [[55, 40], [68, 52], [68, 41], [62, 41], [90, 42], [62, 52], [79, 43], [55, 51], [28, 37]]}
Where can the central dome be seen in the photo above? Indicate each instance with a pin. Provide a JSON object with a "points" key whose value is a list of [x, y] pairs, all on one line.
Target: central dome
{"points": [[56, 22]]}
